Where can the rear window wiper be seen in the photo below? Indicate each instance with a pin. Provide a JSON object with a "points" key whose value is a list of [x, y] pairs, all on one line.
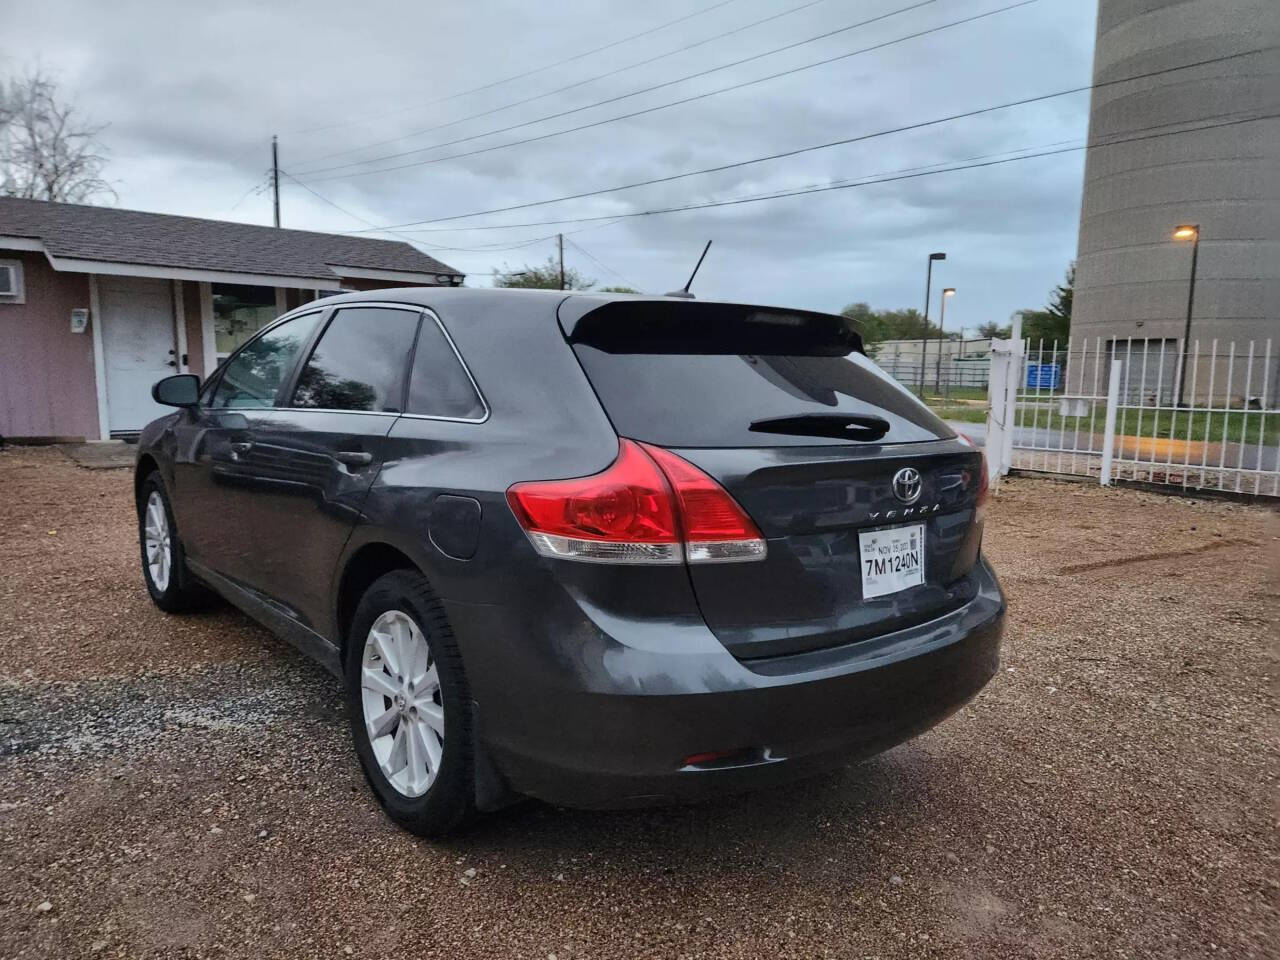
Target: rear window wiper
{"points": [[844, 426]]}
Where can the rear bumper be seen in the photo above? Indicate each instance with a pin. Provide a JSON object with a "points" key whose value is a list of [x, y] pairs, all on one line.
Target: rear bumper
{"points": [[614, 727]]}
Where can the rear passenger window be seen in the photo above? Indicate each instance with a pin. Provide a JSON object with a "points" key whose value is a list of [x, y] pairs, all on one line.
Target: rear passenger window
{"points": [[439, 385], [252, 378], [359, 361]]}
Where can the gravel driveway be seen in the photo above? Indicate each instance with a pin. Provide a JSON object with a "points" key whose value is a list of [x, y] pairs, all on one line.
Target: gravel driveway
{"points": [[184, 787]]}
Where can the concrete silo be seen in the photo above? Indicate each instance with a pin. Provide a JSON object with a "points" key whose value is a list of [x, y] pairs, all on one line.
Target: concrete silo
{"points": [[1132, 277]]}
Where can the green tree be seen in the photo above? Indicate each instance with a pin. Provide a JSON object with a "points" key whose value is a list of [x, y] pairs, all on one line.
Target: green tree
{"points": [[880, 325], [1053, 322], [619, 290], [993, 329], [545, 276]]}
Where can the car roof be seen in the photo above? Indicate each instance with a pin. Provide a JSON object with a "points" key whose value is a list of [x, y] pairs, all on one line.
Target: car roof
{"points": [[574, 303]]}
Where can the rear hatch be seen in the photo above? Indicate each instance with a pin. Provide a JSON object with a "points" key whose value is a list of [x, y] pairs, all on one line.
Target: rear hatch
{"points": [[784, 410]]}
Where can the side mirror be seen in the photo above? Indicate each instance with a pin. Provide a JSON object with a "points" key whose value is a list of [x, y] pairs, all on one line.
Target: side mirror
{"points": [[180, 390]]}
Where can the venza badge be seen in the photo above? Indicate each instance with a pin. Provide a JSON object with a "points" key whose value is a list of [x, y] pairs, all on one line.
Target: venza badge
{"points": [[907, 485]]}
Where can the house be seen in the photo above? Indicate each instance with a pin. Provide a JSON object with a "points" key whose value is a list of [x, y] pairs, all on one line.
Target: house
{"points": [[96, 304]]}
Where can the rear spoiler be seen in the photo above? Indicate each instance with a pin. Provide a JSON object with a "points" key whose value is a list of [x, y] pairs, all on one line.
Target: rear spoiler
{"points": [[669, 325]]}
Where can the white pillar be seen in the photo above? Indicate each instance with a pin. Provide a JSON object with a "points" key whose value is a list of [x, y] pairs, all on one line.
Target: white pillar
{"points": [[1109, 432]]}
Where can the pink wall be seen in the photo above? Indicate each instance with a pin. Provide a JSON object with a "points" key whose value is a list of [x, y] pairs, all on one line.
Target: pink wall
{"points": [[46, 371]]}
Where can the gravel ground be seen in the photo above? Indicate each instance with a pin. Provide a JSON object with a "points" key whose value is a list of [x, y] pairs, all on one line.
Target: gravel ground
{"points": [[183, 787]]}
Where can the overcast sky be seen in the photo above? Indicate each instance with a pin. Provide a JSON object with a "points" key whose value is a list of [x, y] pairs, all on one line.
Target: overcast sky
{"points": [[193, 92]]}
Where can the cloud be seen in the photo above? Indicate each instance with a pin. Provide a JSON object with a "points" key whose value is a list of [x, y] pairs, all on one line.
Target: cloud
{"points": [[193, 94]]}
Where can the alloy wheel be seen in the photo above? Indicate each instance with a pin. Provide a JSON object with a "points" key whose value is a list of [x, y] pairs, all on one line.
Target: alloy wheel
{"points": [[158, 543], [403, 703]]}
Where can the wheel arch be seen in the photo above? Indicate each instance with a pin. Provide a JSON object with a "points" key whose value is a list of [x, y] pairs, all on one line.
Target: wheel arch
{"points": [[365, 565], [147, 465]]}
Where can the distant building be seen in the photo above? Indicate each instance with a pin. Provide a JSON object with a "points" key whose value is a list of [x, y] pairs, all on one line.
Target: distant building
{"points": [[96, 304], [960, 363], [1132, 276]]}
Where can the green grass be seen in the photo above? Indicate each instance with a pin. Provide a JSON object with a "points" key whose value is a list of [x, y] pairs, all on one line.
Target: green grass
{"points": [[1240, 427], [962, 414], [932, 394]]}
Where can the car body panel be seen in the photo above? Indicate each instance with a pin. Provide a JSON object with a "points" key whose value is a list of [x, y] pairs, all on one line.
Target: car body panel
{"points": [[300, 500], [592, 682]]}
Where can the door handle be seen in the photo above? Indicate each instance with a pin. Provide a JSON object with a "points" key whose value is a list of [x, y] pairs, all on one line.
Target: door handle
{"points": [[354, 458]]}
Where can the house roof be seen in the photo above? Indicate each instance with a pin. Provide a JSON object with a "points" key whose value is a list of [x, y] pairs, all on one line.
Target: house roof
{"points": [[77, 232]]}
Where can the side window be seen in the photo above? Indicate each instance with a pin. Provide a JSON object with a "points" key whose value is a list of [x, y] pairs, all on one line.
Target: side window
{"points": [[253, 377], [439, 385], [359, 361]]}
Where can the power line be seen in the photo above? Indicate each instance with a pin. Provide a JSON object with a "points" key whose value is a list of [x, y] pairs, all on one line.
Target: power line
{"points": [[567, 87], [659, 86], [527, 73], [862, 182], [322, 197], [258, 186], [833, 143], [493, 247], [603, 266], [771, 194]]}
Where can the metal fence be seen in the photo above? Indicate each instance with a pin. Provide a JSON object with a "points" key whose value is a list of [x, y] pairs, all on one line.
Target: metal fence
{"points": [[1148, 410], [963, 364]]}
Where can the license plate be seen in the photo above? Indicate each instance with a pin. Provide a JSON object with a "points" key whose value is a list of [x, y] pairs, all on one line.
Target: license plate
{"points": [[892, 559]]}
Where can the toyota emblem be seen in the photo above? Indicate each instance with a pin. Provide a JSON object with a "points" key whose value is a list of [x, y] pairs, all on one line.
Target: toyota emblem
{"points": [[907, 485]]}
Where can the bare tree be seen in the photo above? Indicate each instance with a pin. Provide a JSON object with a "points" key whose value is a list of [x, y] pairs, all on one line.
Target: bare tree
{"points": [[47, 151]]}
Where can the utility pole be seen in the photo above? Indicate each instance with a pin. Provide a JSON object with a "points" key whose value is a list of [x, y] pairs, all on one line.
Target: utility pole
{"points": [[942, 322], [560, 241], [275, 177], [924, 334]]}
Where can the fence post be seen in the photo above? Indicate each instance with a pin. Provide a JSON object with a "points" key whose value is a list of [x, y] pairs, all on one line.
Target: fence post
{"points": [[997, 381], [1109, 432], [1013, 383]]}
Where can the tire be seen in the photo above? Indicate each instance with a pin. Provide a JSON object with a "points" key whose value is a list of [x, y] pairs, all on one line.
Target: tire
{"points": [[172, 587], [426, 799]]}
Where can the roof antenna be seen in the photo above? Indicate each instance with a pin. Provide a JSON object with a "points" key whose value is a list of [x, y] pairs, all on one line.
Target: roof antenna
{"points": [[683, 293]]}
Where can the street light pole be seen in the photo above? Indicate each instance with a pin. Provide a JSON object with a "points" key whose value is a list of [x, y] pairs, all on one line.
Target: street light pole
{"points": [[1188, 231], [924, 336], [942, 322]]}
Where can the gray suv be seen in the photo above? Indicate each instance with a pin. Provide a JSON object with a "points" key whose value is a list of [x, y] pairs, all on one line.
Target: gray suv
{"points": [[600, 550]]}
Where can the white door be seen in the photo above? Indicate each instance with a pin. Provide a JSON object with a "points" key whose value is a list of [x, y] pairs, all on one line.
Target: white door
{"points": [[137, 347]]}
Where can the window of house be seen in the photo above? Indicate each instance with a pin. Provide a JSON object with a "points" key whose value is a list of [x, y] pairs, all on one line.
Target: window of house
{"points": [[359, 361], [439, 385], [253, 378], [239, 311], [11, 282]]}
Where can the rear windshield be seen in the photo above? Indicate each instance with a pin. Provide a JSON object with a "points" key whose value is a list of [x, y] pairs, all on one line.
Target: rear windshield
{"points": [[708, 399]]}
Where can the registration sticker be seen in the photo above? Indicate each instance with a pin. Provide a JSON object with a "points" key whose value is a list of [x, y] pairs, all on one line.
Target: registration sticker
{"points": [[892, 559]]}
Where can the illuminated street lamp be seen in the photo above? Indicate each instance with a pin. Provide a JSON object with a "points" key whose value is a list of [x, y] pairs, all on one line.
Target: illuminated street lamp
{"points": [[942, 320], [924, 337], [1184, 232]]}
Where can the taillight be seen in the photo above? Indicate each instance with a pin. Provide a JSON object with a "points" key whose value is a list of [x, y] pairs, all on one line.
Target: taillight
{"points": [[649, 506], [984, 482], [715, 527]]}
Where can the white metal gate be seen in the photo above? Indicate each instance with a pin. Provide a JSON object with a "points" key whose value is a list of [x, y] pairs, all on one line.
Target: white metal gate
{"points": [[1205, 418]]}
